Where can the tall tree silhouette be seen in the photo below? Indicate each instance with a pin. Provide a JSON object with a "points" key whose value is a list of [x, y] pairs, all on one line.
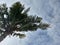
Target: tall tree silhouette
{"points": [[16, 19]]}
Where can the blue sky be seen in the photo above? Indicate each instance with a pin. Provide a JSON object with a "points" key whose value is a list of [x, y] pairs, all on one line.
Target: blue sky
{"points": [[49, 10]]}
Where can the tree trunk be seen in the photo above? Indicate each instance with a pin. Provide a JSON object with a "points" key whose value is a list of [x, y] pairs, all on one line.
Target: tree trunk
{"points": [[3, 36]]}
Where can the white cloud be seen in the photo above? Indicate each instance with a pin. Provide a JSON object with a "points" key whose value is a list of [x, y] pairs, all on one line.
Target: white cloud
{"points": [[50, 11]]}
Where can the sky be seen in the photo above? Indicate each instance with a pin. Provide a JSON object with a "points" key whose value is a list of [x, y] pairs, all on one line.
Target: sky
{"points": [[49, 10]]}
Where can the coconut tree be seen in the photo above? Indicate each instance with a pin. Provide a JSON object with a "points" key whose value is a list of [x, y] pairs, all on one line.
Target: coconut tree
{"points": [[16, 19]]}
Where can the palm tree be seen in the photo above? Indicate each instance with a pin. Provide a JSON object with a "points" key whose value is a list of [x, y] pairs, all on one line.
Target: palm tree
{"points": [[17, 19]]}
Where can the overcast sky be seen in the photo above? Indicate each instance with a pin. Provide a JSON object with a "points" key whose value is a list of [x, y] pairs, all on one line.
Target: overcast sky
{"points": [[49, 10]]}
